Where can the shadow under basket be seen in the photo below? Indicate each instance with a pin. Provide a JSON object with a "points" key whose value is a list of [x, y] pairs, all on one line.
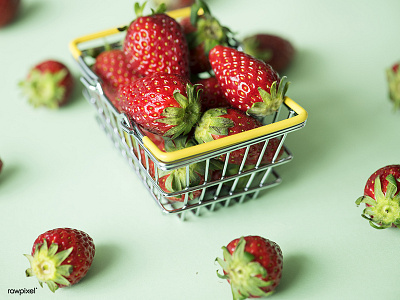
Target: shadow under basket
{"points": [[220, 189]]}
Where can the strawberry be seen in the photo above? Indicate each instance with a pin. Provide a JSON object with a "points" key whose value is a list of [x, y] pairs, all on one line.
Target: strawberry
{"points": [[252, 265], [49, 83], [174, 4], [212, 94], [393, 78], [156, 43], [203, 32], [175, 180], [61, 257], [8, 11], [272, 49], [114, 70], [270, 151], [217, 123], [1, 165], [382, 199], [159, 141], [164, 104], [248, 83]]}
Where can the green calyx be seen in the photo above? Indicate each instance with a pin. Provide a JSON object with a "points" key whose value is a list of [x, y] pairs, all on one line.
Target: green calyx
{"points": [[212, 123], [177, 179], [139, 9], [185, 116], [209, 30], [272, 100], [384, 211], [244, 274], [43, 89], [393, 79], [139, 12], [46, 265]]}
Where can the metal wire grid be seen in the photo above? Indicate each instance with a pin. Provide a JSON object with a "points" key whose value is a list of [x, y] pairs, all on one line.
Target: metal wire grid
{"points": [[218, 193]]}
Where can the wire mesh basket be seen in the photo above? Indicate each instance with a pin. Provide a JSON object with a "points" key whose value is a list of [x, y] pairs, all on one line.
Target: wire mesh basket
{"points": [[224, 187]]}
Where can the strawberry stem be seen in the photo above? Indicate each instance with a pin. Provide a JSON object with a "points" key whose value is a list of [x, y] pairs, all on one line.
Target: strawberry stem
{"points": [[46, 265], [384, 211], [44, 88], [393, 78], [272, 100], [245, 275]]}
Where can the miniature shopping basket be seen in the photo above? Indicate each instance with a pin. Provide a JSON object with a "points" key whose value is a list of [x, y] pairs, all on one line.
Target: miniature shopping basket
{"points": [[228, 187]]}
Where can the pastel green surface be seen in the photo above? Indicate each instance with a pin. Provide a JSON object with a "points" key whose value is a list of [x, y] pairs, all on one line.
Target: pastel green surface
{"points": [[60, 170]]}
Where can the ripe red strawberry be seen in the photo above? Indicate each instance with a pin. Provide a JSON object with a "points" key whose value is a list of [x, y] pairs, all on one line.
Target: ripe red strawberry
{"points": [[248, 83], [114, 70], [49, 84], [217, 123], [8, 11], [175, 180], [270, 151], [393, 78], [159, 141], [61, 257], [252, 265], [203, 32], [156, 43], [1, 165], [212, 94], [272, 49], [174, 4], [382, 199], [164, 104]]}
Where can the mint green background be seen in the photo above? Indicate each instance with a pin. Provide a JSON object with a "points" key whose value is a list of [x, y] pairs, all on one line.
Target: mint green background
{"points": [[60, 169]]}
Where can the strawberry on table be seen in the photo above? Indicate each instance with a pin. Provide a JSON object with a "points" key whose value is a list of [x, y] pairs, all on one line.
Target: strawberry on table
{"points": [[393, 78], [252, 265], [272, 49], [156, 43], [203, 32], [212, 94], [61, 257], [164, 104], [217, 123], [248, 83], [115, 71], [382, 199], [8, 11], [49, 83]]}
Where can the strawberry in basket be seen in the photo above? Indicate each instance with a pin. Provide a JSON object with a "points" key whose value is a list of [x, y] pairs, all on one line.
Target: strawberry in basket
{"points": [[61, 257], [174, 4], [164, 104], [272, 49], [252, 265], [115, 71], [217, 123], [382, 198], [203, 32], [175, 180], [212, 94], [248, 83], [156, 43]]}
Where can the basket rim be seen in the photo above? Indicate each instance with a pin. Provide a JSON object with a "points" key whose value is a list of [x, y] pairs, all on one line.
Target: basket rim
{"points": [[227, 141], [168, 157]]}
